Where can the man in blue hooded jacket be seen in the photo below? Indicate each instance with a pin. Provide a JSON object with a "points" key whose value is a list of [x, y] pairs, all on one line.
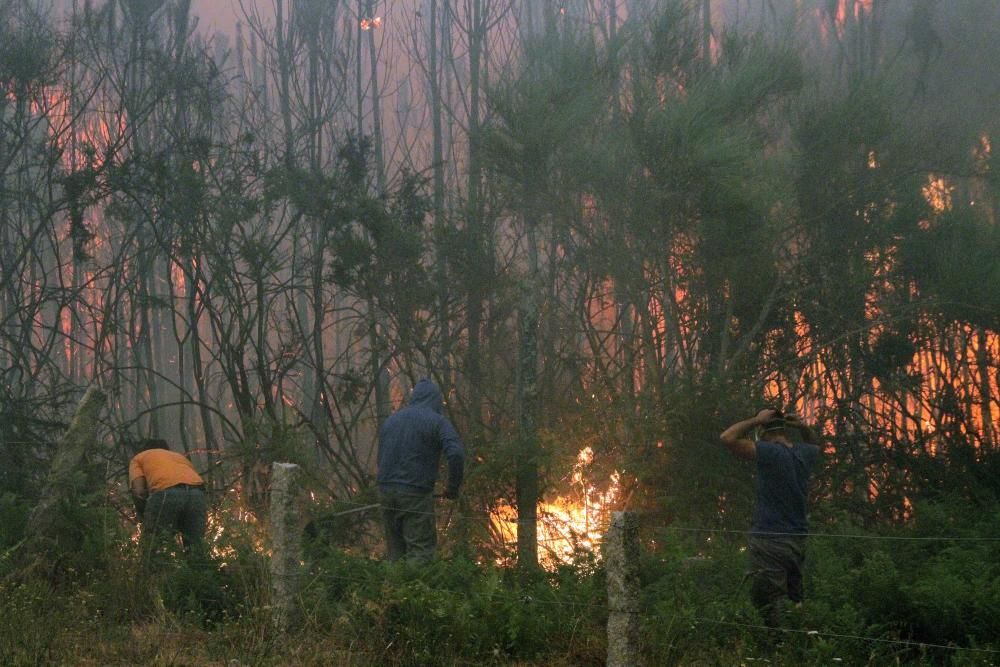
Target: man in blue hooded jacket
{"points": [[409, 451]]}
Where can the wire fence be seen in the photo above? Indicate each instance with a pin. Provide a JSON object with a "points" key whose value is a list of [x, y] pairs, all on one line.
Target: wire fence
{"points": [[360, 507], [357, 508], [834, 635], [578, 603], [826, 634]]}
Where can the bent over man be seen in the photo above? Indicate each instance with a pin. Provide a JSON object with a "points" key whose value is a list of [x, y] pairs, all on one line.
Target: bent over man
{"points": [[409, 452], [168, 493], [785, 455]]}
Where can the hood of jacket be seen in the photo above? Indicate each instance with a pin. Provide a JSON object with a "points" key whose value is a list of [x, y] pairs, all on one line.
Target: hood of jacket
{"points": [[426, 395]]}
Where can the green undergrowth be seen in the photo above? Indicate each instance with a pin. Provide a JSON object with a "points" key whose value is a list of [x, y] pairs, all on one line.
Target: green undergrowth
{"points": [[458, 612], [888, 597], [870, 600]]}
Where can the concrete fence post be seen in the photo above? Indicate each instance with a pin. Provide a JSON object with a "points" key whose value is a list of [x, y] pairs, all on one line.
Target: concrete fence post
{"points": [[286, 542], [621, 562], [80, 437]]}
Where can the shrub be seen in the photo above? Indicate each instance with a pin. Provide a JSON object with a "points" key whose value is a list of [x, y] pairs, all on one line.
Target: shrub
{"points": [[446, 611]]}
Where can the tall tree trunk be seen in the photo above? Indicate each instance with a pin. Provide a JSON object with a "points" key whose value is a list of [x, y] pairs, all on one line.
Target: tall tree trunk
{"points": [[526, 483], [706, 32], [437, 166], [320, 401], [985, 392], [198, 374], [383, 404], [475, 224]]}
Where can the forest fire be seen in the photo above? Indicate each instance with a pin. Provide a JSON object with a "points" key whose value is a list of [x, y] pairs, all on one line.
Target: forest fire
{"points": [[600, 227], [570, 525]]}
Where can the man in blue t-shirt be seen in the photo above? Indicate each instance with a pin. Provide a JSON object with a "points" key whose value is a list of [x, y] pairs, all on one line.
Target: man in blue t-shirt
{"points": [[785, 453]]}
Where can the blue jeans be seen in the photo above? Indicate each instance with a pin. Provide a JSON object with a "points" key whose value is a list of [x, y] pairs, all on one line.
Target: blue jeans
{"points": [[177, 509]]}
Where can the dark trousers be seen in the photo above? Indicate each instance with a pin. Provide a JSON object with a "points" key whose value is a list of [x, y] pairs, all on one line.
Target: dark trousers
{"points": [[177, 509], [408, 520], [776, 565]]}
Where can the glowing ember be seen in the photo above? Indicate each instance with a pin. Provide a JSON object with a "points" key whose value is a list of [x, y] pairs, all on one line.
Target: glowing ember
{"points": [[231, 525], [982, 153], [371, 24], [938, 193]]}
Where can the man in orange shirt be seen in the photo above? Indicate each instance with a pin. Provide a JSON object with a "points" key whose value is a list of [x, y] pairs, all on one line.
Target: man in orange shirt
{"points": [[168, 493]]}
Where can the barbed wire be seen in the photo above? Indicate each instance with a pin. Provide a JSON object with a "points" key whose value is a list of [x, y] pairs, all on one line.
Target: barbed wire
{"points": [[358, 507], [818, 633], [858, 536], [574, 602], [694, 529], [571, 601], [587, 603], [575, 534]]}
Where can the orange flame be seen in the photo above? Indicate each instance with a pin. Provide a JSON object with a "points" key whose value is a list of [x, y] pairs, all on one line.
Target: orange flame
{"points": [[568, 524]]}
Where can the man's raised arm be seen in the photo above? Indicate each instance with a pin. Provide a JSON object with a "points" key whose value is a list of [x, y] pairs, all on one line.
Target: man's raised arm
{"points": [[734, 437]]}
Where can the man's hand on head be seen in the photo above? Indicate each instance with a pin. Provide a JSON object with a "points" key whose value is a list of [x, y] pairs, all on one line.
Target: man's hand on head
{"points": [[765, 415]]}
